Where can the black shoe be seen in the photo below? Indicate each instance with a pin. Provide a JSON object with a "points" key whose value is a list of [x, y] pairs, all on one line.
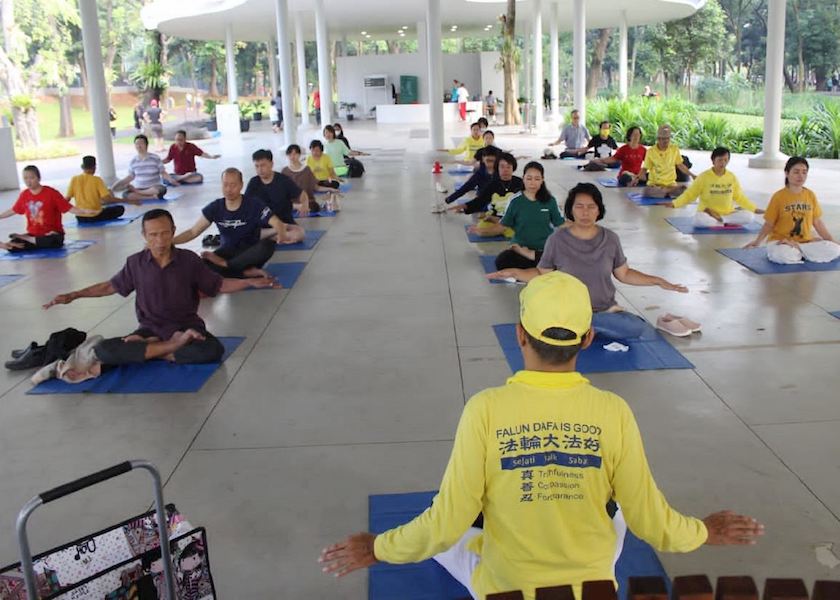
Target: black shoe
{"points": [[18, 353], [34, 356], [211, 240]]}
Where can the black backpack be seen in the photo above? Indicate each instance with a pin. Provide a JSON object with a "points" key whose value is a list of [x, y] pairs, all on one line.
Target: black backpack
{"points": [[355, 168]]}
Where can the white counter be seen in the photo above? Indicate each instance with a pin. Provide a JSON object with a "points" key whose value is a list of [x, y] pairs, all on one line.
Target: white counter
{"points": [[419, 113]]}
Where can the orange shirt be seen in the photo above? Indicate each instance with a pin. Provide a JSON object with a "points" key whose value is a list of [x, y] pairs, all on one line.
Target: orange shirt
{"points": [[792, 215]]}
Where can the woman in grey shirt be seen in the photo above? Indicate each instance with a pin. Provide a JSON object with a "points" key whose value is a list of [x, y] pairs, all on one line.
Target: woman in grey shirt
{"points": [[594, 255]]}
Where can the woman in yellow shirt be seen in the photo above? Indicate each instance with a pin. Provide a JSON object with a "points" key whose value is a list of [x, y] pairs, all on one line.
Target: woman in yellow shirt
{"points": [[791, 214], [322, 165], [719, 191], [470, 145]]}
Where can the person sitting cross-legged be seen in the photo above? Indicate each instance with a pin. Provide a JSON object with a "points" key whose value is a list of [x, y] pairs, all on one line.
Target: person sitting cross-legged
{"points": [[542, 492], [304, 178], [145, 170], [183, 153], [719, 191], [240, 219], [168, 283], [469, 145], [575, 138], [322, 166], [43, 207], [659, 172], [90, 192], [494, 198], [480, 177], [279, 193], [791, 216]]}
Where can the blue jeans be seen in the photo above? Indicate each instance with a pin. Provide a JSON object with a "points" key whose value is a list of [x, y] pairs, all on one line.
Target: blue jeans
{"points": [[622, 326]]}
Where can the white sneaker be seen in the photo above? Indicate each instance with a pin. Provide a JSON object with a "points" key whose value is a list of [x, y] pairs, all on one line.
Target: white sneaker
{"points": [[438, 208], [439, 188]]}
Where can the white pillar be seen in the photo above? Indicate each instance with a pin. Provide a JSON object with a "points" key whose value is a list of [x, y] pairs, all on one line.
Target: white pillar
{"points": [[272, 66], [322, 40], [284, 59], [526, 67], [435, 73], [538, 63], [622, 56], [555, 63], [300, 57], [98, 92], [579, 58], [771, 156], [230, 59]]}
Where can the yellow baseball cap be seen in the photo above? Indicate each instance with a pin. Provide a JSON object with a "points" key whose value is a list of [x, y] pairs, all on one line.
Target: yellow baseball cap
{"points": [[555, 299]]}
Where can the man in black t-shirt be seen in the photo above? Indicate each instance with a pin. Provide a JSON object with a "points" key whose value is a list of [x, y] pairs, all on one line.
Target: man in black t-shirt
{"points": [[279, 193]]}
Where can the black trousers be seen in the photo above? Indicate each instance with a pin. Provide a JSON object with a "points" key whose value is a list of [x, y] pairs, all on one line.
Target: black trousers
{"points": [[53, 240], [510, 259], [567, 154], [241, 259], [109, 213], [114, 351], [329, 183]]}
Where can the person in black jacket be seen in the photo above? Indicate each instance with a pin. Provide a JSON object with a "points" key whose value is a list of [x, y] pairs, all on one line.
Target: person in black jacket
{"points": [[493, 199], [480, 177]]}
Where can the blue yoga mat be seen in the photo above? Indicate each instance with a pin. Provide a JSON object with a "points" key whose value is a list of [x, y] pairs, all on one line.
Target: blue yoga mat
{"points": [[170, 196], [755, 259], [477, 238], [286, 273], [686, 225], [68, 249], [642, 356], [640, 199], [309, 242], [312, 215], [118, 222], [610, 182], [429, 581], [460, 171], [153, 377], [835, 314], [342, 187], [7, 279]]}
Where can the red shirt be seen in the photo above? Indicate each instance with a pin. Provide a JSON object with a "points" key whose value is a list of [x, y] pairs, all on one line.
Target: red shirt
{"points": [[43, 211], [631, 158], [316, 99], [184, 159]]}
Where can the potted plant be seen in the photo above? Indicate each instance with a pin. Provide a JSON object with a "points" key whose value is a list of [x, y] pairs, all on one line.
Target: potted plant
{"points": [[245, 113], [258, 106], [349, 107], [210, 109]]}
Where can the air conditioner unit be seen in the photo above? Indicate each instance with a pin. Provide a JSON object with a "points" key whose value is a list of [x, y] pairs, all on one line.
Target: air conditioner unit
{"points": [[377, 91]]}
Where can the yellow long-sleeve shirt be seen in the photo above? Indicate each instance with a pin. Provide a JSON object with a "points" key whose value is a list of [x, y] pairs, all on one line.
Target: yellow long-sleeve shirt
{"points": [[468, 147], [541, 456], [720, 193]]}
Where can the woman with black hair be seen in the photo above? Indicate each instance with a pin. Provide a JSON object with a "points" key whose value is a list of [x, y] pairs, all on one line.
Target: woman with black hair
{"points": [[322, 166], [532, 214], [631, 157], [594, 255]]}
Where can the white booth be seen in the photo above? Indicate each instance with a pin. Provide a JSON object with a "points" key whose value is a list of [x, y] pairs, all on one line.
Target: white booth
{"points": [[419, 113]]}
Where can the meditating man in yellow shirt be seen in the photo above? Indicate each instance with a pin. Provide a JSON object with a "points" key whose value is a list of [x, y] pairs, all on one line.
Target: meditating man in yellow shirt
{"points": [[90, 192], [659, 170], [540, 457], [719, 191]]}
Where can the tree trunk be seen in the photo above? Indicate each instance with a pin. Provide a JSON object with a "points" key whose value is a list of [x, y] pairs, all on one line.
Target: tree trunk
{"points": [[65, 122], [26, 120], [799, 46], [789, 81], [213, 87], [508, 58], [7, 19], [593, 79]]}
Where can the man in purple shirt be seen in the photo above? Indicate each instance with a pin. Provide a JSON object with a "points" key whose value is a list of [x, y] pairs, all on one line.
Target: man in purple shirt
{"points": [[168, 282]]}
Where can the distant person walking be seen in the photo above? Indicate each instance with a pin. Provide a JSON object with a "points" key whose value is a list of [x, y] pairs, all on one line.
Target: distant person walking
{"points": [[463, 97]]}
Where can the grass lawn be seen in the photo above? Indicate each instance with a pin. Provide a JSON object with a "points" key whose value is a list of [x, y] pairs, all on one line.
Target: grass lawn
{"points": [[48, 119], [740, 122]]}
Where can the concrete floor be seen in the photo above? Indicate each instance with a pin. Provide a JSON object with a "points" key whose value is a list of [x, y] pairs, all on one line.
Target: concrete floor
{"points": [[352, 382]]}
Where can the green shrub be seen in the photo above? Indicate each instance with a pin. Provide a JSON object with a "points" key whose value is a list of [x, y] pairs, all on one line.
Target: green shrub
{"points": [[46, 150]]}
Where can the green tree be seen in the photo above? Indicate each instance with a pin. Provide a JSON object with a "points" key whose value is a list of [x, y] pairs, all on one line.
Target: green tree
{"points": [[812, 39]]}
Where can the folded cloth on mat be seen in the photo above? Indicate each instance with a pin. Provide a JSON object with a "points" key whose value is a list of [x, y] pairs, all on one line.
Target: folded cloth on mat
{"points": [[118, 222], [428, 580], [644, 355], [286, 273], [610, 182], [343, 187], [312, 215], [686, 225], [7, 279], [69, 248], [642, 200], [309, 242], [152, 377], [755, 259], [474, 237]]}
